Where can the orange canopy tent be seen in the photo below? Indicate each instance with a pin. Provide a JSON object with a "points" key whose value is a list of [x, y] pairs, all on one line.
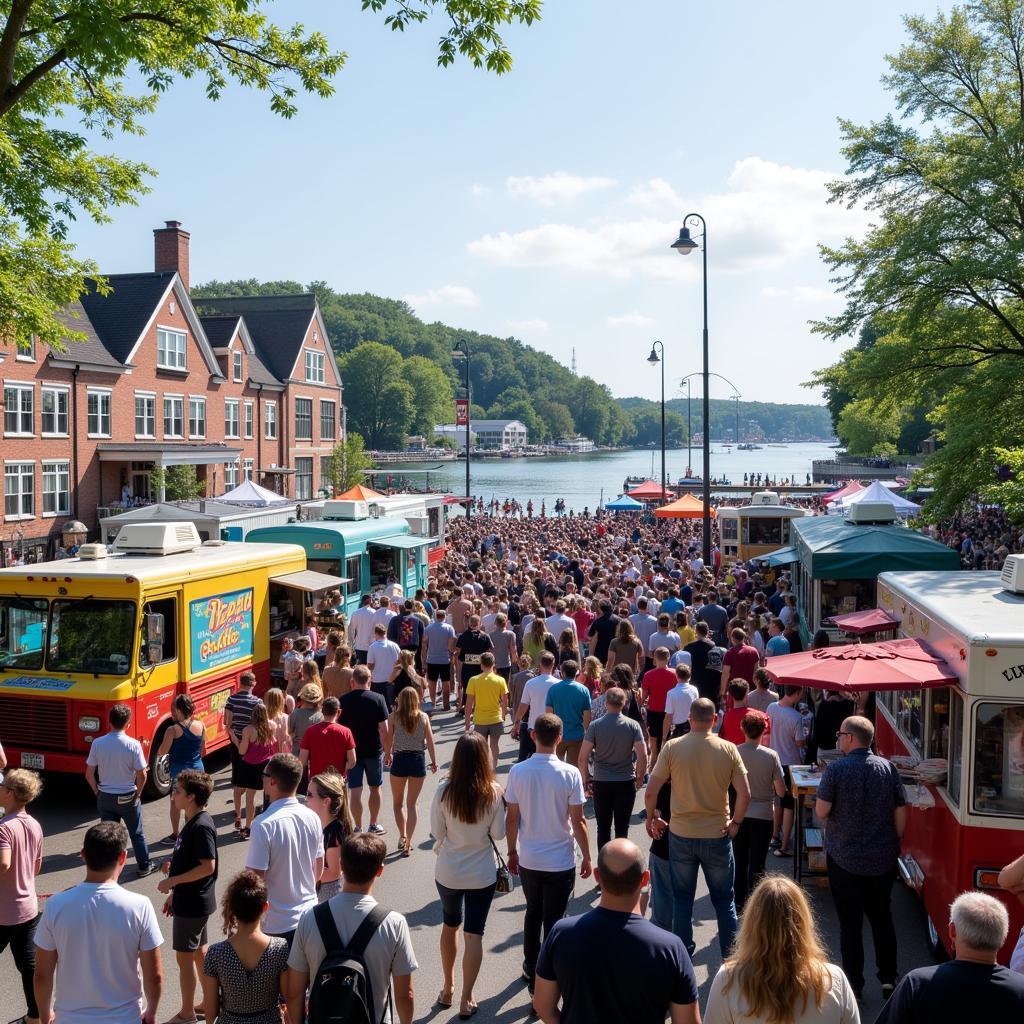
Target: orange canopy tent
{"points": [[359, 493], [649, 490], [687, 507]]}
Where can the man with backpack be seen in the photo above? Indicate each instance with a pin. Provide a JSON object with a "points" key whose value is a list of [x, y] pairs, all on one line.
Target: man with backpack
{"points": [[350, 950]]}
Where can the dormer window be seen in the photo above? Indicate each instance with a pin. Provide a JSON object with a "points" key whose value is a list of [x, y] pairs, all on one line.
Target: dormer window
{"points": [[236, 363], [170, 349], [314, 367], [25, 351]]}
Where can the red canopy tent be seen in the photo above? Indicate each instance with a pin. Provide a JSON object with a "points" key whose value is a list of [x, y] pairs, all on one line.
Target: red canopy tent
{"points": [[686, 507], [873, 620], [851, 487], [649, 490], [887, 665]]}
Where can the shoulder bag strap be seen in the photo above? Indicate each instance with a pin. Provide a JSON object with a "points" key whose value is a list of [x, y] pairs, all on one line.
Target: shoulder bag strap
{"points": [[367, 927], [328, 929], [501, 862]]}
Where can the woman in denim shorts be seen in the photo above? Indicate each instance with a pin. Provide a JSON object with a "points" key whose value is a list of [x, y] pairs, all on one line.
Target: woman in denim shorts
{"points": [[409, 737]]}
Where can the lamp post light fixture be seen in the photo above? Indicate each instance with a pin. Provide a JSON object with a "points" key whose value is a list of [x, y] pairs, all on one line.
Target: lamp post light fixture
{"points": [[460, 350], [684, 245], [654, 358]]}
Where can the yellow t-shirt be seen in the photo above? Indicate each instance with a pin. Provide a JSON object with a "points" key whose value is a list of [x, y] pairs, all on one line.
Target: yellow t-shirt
{"points": [[687, 635], [700, 767], [487, 689]]}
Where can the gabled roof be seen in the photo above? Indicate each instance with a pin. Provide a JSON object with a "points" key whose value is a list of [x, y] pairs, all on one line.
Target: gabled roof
{"points": [[121, 316], [277, 325], [221, 328], [91, 351]]}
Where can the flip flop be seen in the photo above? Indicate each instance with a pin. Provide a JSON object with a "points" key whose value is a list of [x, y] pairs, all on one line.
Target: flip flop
{"points": [[780, 853], [440, 1000], [466, 1014]]}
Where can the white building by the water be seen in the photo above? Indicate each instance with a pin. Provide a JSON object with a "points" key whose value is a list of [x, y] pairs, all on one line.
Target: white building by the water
{"points": [[486, 433]]}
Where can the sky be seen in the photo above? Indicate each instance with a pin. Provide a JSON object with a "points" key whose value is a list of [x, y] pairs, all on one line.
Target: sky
{"points": [[542, 203]]}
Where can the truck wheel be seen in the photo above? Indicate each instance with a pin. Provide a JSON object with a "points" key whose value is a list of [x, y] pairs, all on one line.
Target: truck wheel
{"points": [[159, 781], [935, 944]]}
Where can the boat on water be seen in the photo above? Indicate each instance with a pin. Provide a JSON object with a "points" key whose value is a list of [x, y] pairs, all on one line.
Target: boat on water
{"points": [[748, 447]]}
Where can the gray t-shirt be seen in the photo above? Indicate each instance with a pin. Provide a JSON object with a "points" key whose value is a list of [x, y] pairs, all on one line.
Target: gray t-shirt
{"points": [[438, 634], [787, 732], [613, 736], [760, 699], [763, 768], [503, 641]]}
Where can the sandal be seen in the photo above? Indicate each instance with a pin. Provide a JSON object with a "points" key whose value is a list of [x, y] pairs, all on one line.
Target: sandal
{"points": [[406, 850], [238, 824], [780, 853], [244, 833], [466, 1014], [440, 1001], [401, 844]]}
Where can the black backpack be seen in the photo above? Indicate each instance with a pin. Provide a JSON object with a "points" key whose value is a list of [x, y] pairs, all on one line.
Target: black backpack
{"points": [[341, 991]]}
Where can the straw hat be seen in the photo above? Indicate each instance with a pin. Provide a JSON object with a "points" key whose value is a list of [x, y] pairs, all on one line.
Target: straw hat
{"points": [[311, 694]]}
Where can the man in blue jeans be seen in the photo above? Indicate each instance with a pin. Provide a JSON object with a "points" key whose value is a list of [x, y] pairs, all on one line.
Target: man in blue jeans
{"points": [[116, 771], [700, 766]]}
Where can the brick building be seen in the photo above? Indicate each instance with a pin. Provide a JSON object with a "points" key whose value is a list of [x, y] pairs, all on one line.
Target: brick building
{"points": [[238, 387]]}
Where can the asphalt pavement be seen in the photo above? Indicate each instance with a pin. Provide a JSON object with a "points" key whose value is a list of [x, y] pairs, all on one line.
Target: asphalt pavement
{"points": [[66, 810]]}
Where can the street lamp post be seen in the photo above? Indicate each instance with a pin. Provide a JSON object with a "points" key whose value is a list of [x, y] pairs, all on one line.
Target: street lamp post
{"points": [[654, 359], [689, 432], [461, 351], [684, 245]]}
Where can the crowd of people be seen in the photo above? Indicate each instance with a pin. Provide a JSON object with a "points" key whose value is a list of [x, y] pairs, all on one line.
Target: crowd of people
{"points": [[616, 669]]}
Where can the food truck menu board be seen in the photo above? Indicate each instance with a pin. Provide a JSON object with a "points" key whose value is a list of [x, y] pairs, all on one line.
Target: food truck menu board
{"points": [[221, 629]]}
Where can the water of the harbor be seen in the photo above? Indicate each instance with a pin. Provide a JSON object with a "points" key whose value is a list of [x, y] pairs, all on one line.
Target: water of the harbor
{"points": [[582, 479]]}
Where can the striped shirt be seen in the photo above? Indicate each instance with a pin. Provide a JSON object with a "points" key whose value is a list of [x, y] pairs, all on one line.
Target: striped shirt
{"points": [[240, 704]]}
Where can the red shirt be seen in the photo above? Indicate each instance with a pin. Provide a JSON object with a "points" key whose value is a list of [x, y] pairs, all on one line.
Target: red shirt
{"points": [[583, 620], [328, 744], [742, 660], [732, 725], [657, 682]]}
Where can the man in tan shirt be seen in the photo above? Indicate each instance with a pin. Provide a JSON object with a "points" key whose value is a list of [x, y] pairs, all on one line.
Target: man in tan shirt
{"points": [[700, 767]]}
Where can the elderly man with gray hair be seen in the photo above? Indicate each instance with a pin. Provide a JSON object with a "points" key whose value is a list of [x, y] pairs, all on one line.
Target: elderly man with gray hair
{"points": [[971, 986]]}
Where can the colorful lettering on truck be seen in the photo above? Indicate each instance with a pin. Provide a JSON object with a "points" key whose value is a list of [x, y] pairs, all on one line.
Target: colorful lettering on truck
{"points": [[78, 636]]}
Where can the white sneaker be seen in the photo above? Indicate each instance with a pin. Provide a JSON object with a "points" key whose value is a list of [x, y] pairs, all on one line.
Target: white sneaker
{"points": [[377, 830]]}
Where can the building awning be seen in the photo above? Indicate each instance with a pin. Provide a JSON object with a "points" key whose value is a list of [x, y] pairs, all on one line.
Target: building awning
{"points": [[405, 543], [168, 453], [311, 582], [276, 471], [781, 556]]}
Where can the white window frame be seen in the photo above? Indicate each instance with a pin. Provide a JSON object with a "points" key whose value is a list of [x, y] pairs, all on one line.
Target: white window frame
{"points": [[162, 351], [180, 399], [231, 474], [248, 419], [236, 365], [100, 394], [21, 389], [248, 469], [56, 469], [231, 429], [21, 465], [315, 366], [27, 355], [147, 396], [270, 421], [200, 402], [56, 389]]}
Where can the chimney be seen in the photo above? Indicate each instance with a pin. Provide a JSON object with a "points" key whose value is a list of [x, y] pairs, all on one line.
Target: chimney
{"points": [[171, 249]]}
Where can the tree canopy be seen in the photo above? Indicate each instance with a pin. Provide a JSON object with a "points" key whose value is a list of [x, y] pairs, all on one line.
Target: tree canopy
{"points": [[69, 68], [940, 273]]}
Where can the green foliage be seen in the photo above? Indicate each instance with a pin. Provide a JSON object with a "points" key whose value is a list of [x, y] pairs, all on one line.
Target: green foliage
{"points": [[379, 400], [180, 483], [774, 421], [940, 269], [864, 426], [556, 417], [348, 462], [431, 394]]}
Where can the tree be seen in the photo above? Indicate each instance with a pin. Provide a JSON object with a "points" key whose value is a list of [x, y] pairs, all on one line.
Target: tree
{"points": [[514, 403], [349, 462], [556, 417], [431, 394], [380, 402], [941, 270], [179, 483], [105, 64]]}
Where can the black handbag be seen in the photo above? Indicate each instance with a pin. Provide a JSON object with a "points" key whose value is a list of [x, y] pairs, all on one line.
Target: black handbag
{"points": [[505, 881]]}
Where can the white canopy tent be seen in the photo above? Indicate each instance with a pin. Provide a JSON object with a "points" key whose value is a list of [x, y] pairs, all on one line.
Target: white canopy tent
{"points": [[249, 493], [876, 491]]}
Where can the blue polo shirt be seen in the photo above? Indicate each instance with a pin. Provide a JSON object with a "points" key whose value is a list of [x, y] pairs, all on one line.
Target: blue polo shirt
{"points": [[569, 699]]}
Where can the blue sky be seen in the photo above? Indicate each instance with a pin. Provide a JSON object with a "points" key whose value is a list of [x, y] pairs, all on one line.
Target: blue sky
{"points": [[542, 203]]}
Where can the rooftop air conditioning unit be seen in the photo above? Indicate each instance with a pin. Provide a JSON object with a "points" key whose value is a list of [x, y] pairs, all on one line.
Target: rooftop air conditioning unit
{"points": [[420, 525], [765, 498], [92, 552], [157, 538], [1013, 574], [872, 512], [335, 509]]}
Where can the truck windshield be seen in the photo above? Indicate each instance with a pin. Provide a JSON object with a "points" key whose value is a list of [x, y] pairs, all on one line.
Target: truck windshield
{"points": [[93, 636], [22, 629]]}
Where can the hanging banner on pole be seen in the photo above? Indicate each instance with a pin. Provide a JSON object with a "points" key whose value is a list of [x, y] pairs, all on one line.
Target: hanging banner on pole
{"points": [[461, 412]]}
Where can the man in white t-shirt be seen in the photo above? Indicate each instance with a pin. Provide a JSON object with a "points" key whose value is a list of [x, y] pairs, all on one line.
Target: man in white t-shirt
{"points": [[94, 937], [532, 704], [544, 814], [677, 705], [360, 628], [380, 660], [286, 848], [388, 955], [558, 621], [384, 613]]}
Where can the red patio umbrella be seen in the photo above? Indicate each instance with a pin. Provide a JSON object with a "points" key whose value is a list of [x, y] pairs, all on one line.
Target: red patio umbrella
{"points": [[649, 490], [887, 665], [873, 620]]}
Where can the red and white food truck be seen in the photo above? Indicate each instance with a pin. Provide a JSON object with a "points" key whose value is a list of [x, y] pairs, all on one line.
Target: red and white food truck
{"points": [[963, 829]]}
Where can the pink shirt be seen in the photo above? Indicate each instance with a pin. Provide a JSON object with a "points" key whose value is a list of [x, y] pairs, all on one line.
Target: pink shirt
{"points": [[20, 833]]}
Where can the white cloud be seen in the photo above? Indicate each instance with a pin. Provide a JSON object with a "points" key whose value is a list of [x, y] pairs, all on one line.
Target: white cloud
{"points": [[631, 320], [446, 295], [526, 326], [558, 187], [767, 215], [801, 293], [656, 192]]}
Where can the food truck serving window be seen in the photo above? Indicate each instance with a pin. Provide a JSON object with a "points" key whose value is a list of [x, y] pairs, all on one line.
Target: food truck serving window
{"points": [[87, 635], [956, 743], [22, 629], [762, 531], [999, 759], [729, 527]]}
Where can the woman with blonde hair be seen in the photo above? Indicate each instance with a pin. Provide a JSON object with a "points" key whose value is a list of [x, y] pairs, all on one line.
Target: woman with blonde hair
{"points": [[273, 699], [257, 746], [590, 676], [409, 735], [328, 797], [778, 973]]}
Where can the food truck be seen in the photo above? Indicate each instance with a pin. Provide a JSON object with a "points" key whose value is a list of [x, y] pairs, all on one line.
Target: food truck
{"points": [[836, 561], [965, 822], [753, 530], [164, 613]]}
